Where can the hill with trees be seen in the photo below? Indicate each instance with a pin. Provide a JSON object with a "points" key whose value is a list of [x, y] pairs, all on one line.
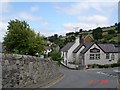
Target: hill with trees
{"points": [[100, 34]]}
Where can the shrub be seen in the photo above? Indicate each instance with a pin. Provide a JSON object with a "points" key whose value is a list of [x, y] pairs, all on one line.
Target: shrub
{"points": [[106, 66], [114, 65]]}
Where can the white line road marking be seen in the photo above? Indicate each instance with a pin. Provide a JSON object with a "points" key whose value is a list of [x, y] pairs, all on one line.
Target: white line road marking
{"points": [[116, 70], [106, 74]]}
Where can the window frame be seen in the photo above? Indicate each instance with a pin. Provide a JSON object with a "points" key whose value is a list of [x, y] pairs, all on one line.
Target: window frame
{"points": [[94, 56], [97, 56], [91, 56]]}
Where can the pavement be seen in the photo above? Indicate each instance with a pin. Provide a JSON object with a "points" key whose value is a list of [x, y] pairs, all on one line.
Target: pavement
{"points": [[92, 78]]}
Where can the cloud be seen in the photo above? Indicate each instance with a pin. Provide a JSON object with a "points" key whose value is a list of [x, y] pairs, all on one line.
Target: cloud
{"points": [[34, 8], [97, 19], [84, 6], [5, 7], [3, 29], [87, 22], [28, 16]]}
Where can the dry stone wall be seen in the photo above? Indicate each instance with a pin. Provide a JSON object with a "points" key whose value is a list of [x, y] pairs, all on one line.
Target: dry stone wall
{"points": [[21, 71]]}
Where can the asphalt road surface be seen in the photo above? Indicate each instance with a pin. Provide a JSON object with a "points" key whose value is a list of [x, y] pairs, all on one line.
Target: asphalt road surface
{"points": [[94, 78]]}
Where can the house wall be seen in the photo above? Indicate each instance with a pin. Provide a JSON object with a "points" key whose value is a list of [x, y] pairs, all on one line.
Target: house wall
{"points": [[70, 51], [64, 57], [102, 59], [77, 55]]}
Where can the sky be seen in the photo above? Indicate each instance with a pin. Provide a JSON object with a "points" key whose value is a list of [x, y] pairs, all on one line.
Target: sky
{"points": [[51, 17]]}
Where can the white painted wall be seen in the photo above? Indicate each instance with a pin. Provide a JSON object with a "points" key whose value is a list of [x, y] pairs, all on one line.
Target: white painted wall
{"points": [[102, 59], [70, 51], [77, 56], [47, 51]]}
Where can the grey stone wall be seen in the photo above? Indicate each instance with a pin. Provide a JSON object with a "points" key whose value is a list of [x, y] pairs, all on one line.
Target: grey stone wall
{"points": [[22, 71]]}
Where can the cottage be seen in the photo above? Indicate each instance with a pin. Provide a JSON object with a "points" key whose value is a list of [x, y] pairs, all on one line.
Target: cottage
{"points": [[83, 52]]}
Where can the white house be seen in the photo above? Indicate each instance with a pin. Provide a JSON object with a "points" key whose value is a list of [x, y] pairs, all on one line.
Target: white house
{"points": [[47, 50], [85, 53], [67, 51]]}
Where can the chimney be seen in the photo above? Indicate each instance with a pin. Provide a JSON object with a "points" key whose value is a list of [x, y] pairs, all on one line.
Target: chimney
{"points": [[81, 41]]}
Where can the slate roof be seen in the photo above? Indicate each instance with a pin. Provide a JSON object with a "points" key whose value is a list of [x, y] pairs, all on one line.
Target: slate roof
{"points": [[87, 46], [109, 48], [67, 46], [77, 49]]}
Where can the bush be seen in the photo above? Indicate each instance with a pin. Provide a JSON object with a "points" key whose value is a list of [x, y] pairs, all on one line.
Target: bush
{"points": [[100, 66], [104, 66], [56, 56], [114, 65]]}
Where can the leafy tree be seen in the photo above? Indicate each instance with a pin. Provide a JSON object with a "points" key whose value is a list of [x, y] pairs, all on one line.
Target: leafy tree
{"points": [[116, 24], [70, 33], [21, 39], [80, 30], [111, 32], [56, 56], [97, 33]]}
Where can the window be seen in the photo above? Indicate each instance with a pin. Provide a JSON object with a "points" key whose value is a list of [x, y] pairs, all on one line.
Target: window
{"points": [[91, 56], [107, 56], [94, 56], [97, 56]]}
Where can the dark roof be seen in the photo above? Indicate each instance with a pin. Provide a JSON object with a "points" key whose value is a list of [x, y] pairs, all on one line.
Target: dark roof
{"points": [[87, 46], [67, 46], [77, 49], [108, 47]]}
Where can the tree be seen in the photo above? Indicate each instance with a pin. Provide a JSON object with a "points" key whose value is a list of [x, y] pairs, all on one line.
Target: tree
{"points": [[56, 56], [80, 30], [111, 32], [116, 24], [97, 33], [21, 39]]}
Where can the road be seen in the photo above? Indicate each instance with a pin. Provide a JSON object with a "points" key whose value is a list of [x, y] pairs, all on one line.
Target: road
{"points": [[94, 78]]}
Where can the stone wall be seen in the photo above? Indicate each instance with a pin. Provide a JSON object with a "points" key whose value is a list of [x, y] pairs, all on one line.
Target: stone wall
{"points": [[23, 71]]}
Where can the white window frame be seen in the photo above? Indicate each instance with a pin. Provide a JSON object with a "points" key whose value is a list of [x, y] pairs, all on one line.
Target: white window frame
{"points": [[95, 56], [91, 56]]}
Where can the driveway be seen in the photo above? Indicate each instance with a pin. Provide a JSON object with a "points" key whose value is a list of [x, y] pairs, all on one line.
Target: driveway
{"points": [[94, 78]]}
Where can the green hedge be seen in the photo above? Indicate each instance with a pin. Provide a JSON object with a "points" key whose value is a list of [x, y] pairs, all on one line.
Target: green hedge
{"points": [[104, 66]]}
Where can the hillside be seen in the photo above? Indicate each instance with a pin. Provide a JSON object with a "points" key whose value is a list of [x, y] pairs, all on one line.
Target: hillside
{"points": [[109, 35]]}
